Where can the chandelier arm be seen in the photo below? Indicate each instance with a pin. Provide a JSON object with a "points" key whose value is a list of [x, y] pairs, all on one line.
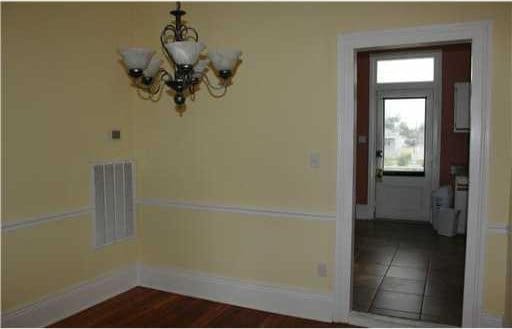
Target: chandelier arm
{"points": [[146, 94], [155, 86], [184, 33], [157, 93], [140, 86], [149, 90], [210, 87], [180, 31], [143, 95], [192, 91], [163, 39], [163, 34], [164, 74]]}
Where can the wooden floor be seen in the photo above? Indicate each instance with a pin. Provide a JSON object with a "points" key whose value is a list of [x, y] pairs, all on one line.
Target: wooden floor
{"points": [[143, 307]]}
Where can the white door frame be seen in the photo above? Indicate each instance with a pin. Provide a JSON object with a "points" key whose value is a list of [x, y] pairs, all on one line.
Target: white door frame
{"points": [[437, 90], [479, 34]]}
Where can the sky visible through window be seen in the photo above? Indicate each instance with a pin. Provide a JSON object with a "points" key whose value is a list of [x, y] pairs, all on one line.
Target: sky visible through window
{"points": [[410, 110], [405, 70]]}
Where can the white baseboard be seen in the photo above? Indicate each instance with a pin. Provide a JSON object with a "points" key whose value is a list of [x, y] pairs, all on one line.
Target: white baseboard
{"points": [[256, 295], [364, 211], [55, 307], [491, 321], [369, 320]]}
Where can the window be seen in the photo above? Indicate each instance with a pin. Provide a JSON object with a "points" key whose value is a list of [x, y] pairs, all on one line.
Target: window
{"points": [[405, 70], [404, 136]]}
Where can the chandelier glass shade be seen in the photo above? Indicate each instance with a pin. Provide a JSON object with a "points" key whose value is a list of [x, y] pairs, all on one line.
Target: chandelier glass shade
{"points": [[184, 51], [136, 58], [224, 59]]}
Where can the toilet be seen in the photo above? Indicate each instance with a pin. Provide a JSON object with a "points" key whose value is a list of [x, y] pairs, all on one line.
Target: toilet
{"points": [[447, 221]]}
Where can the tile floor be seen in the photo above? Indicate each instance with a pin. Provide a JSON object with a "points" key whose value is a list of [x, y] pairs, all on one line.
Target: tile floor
{"points": [[406, 270]]}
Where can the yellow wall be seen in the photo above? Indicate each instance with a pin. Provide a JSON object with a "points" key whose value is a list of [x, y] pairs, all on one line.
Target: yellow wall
{"points": [[508, 309], [256, 248], [251, 147], [62, 85], [62, 92]]}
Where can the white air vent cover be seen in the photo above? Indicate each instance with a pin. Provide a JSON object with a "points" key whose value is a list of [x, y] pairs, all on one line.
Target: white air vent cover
{"points": [[113, 201]]}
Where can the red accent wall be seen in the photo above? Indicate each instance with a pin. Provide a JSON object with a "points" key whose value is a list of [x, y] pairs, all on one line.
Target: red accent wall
{"points": [[454, 146], [456, 67], [363, 101]]}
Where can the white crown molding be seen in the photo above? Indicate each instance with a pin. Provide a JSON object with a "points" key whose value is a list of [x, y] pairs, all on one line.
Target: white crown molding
{"points": [[237, 209], [55, 307], [256, 295], [12, 225]]}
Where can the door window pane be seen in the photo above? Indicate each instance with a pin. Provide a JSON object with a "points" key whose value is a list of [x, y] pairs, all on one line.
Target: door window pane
{"points": [[404, 136], [405, 70]]}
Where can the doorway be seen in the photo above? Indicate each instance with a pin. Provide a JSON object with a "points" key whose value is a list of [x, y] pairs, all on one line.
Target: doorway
{"points": [[349, 44], [404, 131], [404, 266]]}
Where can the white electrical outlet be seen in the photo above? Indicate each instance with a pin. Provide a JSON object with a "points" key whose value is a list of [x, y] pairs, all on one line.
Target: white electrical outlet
{"points": [[314, 160], [321, 270]]}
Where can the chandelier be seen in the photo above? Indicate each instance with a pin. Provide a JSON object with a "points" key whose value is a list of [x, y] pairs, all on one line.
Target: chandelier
{"points": [[181, 46]]}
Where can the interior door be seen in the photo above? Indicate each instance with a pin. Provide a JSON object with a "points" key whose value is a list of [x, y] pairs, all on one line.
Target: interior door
{"points": [[403, 154]]}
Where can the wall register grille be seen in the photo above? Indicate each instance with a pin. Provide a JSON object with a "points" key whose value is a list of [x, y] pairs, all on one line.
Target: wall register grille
{"points": [[113, 201]]}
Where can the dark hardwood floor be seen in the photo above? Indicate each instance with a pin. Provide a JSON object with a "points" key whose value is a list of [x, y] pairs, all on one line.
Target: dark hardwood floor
{"points": [[143, 307]]}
